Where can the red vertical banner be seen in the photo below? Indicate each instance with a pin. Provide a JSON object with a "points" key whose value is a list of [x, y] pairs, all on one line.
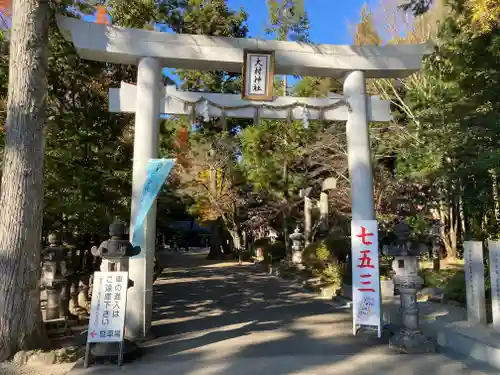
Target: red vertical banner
{"points": [[365, 274]]}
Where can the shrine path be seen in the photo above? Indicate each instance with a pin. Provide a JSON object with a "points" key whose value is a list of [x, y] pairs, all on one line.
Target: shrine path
{"points": [[235, 320]]}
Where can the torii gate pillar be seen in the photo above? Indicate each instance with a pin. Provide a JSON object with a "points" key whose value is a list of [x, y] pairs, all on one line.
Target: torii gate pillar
{"points": [[358, 147], [146, 131]]}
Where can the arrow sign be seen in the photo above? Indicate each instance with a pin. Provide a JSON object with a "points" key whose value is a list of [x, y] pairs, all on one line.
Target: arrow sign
{"points": [[92, 334]]}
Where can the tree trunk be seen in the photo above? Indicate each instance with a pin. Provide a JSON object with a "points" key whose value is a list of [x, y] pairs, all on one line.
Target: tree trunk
{"points": [[21, 196], [452, 255], [446, 223], [215, 232], [323, 216], [225, 241], [461, 211], [307, 220], [215, 241], [236, 239], [244, 240], [286, 210]]}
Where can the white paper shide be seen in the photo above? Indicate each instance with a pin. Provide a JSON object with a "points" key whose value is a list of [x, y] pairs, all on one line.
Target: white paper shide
{"points": [[109, 299], [365, 273], [257, 74]]}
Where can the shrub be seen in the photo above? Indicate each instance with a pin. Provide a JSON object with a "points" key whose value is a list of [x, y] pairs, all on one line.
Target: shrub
{"points": [[322, 252], [333, 274], [450, 280], [339, 245], [334, 246], [323, 259]]}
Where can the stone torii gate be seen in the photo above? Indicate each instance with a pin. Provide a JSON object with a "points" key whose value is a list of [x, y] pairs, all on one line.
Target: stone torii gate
{"points": [[151, 51]]}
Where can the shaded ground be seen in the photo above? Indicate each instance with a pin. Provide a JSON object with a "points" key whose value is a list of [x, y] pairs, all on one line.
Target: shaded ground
{"points": [[234, 320]]}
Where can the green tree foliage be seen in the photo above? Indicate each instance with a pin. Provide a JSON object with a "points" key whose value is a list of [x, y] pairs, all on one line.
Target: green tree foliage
{"points": [[456, 120], [266, 148], [485, 13], [211, 18], [88, 150], [288, 20]]}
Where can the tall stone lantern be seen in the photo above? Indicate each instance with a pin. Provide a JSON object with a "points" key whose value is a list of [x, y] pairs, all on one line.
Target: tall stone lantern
{"points": [[410, 338], [297, 239], [54, 280]]}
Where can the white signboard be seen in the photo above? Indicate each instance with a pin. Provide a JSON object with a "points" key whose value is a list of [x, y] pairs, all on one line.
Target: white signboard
{"points": [[474, 281], [258, 73], [494, 248], [365, 274], [107, 315]]}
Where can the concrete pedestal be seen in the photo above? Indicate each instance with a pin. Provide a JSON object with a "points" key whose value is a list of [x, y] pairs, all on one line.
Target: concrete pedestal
{"points": [[111, 350], [296, 257], [412, 342], [410, 338]]}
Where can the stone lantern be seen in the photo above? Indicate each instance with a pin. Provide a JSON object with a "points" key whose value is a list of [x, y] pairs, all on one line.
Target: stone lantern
{"points": [[272, 235], [410, 338], [78, 295], [115, 253], [54, 281], [116, 249], [297, 239]]}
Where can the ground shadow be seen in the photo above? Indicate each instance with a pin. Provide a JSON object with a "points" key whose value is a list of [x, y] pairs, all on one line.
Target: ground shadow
{"points": [[222, 318]]}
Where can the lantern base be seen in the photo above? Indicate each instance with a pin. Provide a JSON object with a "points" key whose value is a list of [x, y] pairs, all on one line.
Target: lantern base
{"points": [[411, 342], [111, 350]]}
